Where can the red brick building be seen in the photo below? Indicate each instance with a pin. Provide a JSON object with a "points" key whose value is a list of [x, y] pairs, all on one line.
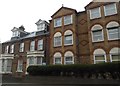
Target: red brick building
{"points": [[88, 37]]}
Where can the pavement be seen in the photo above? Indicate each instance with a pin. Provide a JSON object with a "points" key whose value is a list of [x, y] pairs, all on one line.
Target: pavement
{"points": [[8, 80]]}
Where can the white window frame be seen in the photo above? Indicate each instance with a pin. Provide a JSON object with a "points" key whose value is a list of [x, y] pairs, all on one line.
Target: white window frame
{"points": [[90, 12], [32, 46], [68, 33], [57, 22], [99, 52], [16, 34], [40, 44], [12, 48], [114, 51], [112, 13], [20, 65], [5, 66], [68, 18], [21, 47]]}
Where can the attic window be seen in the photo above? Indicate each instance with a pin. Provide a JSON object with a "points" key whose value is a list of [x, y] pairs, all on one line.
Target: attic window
{"points": [[41, 27], [16, 34]]}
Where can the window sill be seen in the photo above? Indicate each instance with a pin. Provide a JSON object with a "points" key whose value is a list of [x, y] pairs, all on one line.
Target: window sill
{"points": [[97, 41], [113, 39], [68, 44], [57, 27], [57, 46], [18, 71], [95, 18], [110, 15]]}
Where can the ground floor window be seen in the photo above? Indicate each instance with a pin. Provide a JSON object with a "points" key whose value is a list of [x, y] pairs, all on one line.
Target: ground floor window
{"points": [[69, 58], [57, 60], [6, 65], [115, 54], [99, 56], [35, 60], [20, 65]]}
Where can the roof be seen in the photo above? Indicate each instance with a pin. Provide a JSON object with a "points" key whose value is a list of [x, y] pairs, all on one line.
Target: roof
{"points": [[63, 8]]}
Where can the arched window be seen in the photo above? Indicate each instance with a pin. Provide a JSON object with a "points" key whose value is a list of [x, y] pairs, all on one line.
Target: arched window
{"points": [[68, 37], [113, 30], [57, 39], [115, 54], [57, 58], [68, 58], [97, 33], [99, 56]]}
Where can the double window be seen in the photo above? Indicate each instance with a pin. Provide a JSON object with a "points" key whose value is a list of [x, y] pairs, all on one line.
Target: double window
{"points": [[35, 60], [95, 13], [97, 33], [21, 47], [16, 34], [110, 9]]}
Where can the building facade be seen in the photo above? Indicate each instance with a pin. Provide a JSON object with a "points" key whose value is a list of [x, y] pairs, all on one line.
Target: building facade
{"points": [[88, 37], [25, 49]]}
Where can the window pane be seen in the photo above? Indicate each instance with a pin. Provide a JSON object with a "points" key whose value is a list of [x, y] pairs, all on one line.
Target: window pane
{"points": [[114, 33], [100, 57], [57, 60], [57, 22], [31, 60], [110, 9], [39, 60], [67, 19], [97, 36], [116, 57], [40, 44], [9, 64], [32, 46], [57, 41], [68, 39], [94, 13]]}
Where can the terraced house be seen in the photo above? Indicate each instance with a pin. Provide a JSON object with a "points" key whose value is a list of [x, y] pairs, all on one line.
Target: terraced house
{"points": [[88, 37], [25, 49]]}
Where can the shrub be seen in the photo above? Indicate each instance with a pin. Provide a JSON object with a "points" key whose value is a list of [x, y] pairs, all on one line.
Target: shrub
{"points": [[75, 69]]}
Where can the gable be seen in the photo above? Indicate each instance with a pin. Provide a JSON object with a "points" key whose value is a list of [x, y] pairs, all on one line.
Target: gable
{"points": [[63, 11]]}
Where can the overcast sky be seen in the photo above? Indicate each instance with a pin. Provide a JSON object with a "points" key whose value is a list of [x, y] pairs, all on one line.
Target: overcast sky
{"points": [[14, 13]]}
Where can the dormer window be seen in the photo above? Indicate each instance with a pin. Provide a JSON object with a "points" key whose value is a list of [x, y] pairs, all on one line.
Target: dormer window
{"points": [[41, 27], [16, 33]]}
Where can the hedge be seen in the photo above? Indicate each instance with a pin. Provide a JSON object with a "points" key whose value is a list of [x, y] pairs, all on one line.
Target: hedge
{"points": [[77, 70]]}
